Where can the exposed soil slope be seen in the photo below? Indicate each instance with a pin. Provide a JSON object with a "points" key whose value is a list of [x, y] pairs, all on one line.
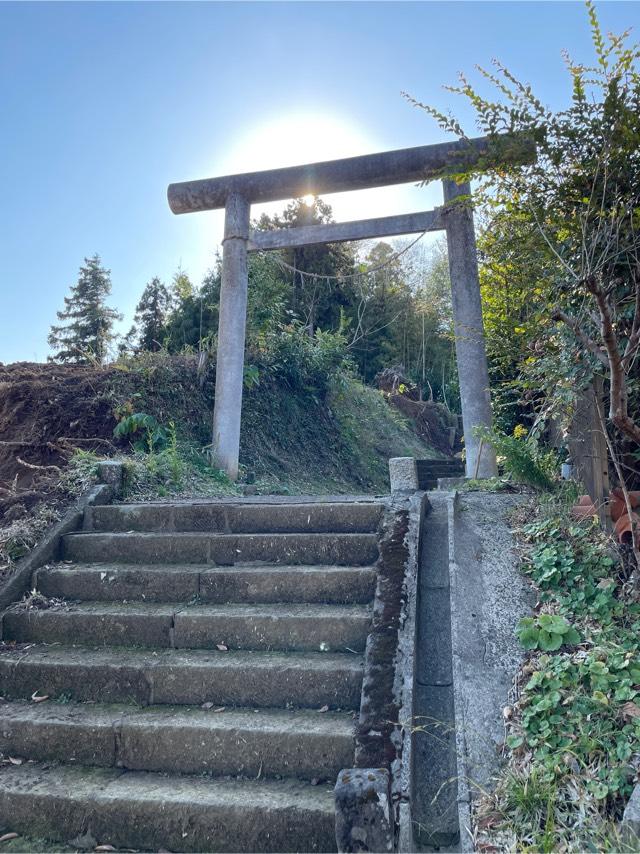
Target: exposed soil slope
{"points": [[338, 442]]}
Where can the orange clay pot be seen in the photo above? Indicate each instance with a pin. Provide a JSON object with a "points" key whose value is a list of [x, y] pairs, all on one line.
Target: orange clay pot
{"points": [[624, 527], [582, 511], [617, 504]]}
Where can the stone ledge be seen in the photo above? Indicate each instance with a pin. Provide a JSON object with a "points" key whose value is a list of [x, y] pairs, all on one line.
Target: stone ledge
{"points": [[48, 549]]}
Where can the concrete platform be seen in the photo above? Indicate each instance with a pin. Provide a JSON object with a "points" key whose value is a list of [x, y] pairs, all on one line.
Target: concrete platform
{"points": [[110, 582], [260, 679], [222, 549], [175, 739], [296, 627], [151, 811], [214, 517]]}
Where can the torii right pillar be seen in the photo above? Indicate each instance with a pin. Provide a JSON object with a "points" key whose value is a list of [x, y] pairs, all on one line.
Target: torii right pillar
{"points": [[471, 353]]}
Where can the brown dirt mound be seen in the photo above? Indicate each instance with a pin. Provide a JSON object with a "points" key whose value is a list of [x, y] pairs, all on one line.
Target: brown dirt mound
{"points": [[432, 422], [47, 411]]}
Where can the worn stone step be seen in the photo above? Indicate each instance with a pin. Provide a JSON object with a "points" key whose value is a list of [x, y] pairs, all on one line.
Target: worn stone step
{"points": [[180, 583], [188, 740], [222, 549], [156, 625], [185, 677], [226, 518], [141, 810]]}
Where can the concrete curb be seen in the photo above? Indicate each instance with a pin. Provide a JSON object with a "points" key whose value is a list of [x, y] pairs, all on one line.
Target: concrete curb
{"points": [[48, 548], [387, 694], [464, 792], [402, 768]]}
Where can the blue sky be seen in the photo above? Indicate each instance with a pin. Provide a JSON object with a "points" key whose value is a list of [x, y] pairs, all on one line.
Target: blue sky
{"points": [[103, 104]]}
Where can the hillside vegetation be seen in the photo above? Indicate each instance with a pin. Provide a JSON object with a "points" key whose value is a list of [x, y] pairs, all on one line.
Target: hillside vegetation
{"points": [[328, 434]]}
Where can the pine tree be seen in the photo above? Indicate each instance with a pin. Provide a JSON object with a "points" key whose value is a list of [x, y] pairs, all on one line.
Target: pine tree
{"points": [[150, 321], [86, 336]]}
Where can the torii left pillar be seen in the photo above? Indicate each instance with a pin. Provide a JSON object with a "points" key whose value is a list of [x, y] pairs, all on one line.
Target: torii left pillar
{"points": [[231, 335]]}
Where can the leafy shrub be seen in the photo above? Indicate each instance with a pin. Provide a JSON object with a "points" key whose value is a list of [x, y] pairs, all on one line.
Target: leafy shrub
{"points": [[301, 361], [547, 632], [143, 431], [523, 459]]}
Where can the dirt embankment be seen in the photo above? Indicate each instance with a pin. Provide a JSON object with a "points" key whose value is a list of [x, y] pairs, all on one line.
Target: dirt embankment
{"points": [[46, 412]]}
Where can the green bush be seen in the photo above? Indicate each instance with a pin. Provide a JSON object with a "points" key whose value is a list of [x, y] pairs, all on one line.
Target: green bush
{"points": [[301, 361], [523, 459], [547, 632], [143, 431]]}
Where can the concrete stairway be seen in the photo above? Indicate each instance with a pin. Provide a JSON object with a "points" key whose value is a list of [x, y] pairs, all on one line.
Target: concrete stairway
{"points": [[203, 668]]}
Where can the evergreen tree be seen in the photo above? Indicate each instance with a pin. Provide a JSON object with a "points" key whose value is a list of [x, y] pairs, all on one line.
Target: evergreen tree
{"points": [[86, 335], [150, 321], [316, 302]]}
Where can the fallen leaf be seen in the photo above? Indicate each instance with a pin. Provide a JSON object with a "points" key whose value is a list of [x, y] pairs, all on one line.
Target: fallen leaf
{"points": [[7, 836], [39, 699], [104, 848], [324, 709], [207, 706], [630, 711], [488, 820], [15, 760], [219, 709], [222, 647]]}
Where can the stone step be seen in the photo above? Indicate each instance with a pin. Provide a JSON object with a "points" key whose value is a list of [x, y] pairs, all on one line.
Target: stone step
{"points": [[184, 677], [222, 549], [306, 744], [180, 583], [141, 810], [239, 626], [226, 518]]}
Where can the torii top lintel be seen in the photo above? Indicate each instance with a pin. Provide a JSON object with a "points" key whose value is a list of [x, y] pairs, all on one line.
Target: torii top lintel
{"points": [[423, 163]]}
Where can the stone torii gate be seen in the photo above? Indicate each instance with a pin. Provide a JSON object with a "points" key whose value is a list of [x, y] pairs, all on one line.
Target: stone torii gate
{"points": [[236, 194]]}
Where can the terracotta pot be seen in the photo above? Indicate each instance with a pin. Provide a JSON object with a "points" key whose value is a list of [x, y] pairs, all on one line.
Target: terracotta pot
{"points": [[624, 527], [634, 497], [583, 511], [585, 500], [617, 506]]}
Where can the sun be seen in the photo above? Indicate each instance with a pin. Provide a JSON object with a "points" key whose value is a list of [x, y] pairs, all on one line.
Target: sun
{"points": [[303, 137]]}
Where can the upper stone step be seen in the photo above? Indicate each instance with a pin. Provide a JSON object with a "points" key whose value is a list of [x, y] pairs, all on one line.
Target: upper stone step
{"points": [[184, 677], [186, 740], [335, 628], [146, 811], [222, 549], [182, 583], [214, 517]]}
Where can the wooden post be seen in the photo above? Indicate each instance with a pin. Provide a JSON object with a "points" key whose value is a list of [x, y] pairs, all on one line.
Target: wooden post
{"points": [[471, 354], [231, 335]]}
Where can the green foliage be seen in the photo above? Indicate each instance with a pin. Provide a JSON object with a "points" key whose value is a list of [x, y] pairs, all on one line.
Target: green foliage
{"points": [[564, 230], [88, 331], [576, 727], [523, 458], [145, 433], [149, 326], [547, 632], [300, 361]]}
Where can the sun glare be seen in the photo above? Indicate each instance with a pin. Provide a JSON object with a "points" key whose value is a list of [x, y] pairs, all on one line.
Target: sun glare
{"points": [[309, 138]]}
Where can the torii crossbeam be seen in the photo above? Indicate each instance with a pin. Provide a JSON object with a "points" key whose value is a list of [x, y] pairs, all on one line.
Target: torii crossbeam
{"points": [[236, 194]]}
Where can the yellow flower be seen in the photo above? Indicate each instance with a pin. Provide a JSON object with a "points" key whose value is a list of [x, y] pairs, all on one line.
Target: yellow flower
{"points": [[519, 431]]}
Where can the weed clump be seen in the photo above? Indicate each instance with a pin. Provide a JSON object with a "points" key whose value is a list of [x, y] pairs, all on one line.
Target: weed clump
{"points": [[574, 730]]}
